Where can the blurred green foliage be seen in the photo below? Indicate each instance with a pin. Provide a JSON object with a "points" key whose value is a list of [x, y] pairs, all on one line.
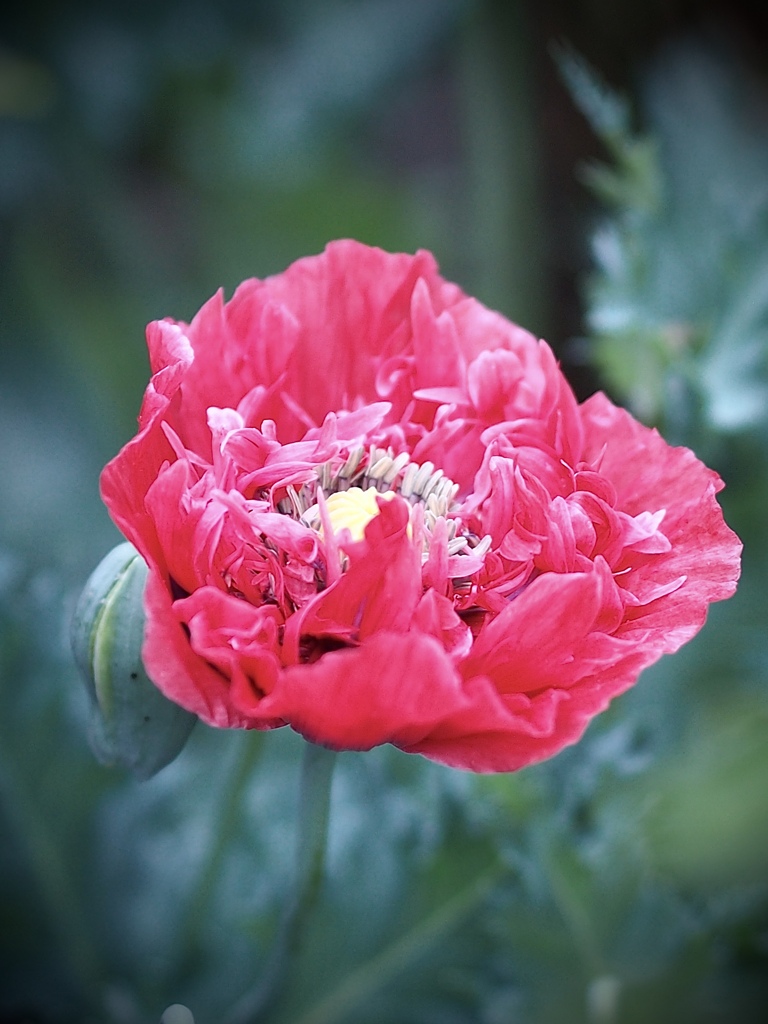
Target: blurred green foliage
{"points": [[154, 152], [679, 303]]}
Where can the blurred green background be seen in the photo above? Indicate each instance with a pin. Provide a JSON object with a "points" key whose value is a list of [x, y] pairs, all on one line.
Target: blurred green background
{"points": [[152, 152]]}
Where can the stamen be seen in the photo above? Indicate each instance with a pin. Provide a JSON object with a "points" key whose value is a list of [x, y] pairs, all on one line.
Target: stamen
{"points": [[457, 545], [349, 490], [481, 549], [422, 477], [380, 468], [432, 485], [406, 487], [349, 468]]}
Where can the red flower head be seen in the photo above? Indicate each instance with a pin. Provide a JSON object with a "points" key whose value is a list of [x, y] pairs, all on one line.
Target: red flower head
{"points": [[373, 510]]}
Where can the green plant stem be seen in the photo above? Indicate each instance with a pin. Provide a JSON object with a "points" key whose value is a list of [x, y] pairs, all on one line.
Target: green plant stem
{"points": [[314, 803], [229, 807], [372, 975]]}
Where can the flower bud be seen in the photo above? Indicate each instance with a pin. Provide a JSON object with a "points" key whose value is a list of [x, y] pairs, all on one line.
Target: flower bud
{"points": [[132, 724]]}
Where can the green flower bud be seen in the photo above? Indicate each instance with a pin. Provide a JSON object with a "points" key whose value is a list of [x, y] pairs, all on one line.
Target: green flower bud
{"points": [[132, 724]]}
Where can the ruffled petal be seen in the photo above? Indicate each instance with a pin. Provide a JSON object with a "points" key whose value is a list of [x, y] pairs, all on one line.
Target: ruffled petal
{"points": [[492, 732], [242, 643], [182, 674], [649, 474], [379, 590], [127, 478], [394, 688], [546, 636]]}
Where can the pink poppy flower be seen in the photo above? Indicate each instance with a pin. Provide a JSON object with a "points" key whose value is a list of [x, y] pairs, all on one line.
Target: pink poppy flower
{"points": [[373, 510]]}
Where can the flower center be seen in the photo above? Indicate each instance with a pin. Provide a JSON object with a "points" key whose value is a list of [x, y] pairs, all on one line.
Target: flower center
{"points": [[351, 482]]}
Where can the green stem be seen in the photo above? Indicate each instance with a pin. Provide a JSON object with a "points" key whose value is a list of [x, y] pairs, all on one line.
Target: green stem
{"points": [[360, 984], [230, 805], [314, 802], [576, 919]]}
